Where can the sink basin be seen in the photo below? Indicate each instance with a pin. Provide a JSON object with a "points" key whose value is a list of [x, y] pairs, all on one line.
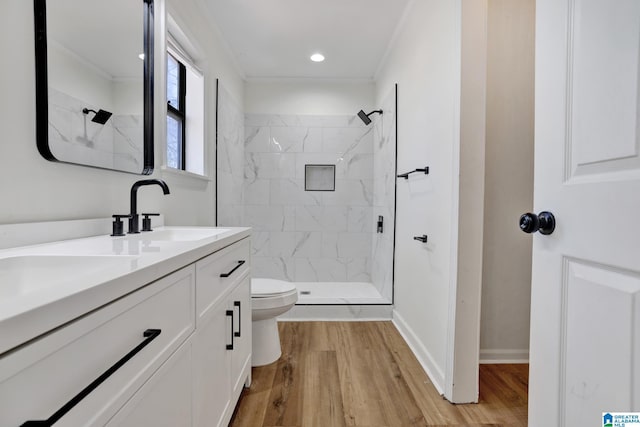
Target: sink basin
{"points": [[21, 275], [180, 234]]}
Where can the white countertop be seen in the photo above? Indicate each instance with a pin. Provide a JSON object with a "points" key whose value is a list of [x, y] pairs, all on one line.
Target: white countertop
{"points": [[47, 285]]}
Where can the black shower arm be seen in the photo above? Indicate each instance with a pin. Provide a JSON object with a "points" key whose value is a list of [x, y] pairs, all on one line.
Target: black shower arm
{"points": [[406, 174]]}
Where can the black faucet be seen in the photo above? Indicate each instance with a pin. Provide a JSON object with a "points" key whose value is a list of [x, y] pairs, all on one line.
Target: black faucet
{"points": [[133, 216]]}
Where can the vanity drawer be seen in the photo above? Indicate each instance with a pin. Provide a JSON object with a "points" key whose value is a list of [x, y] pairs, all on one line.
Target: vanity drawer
{"points": [[216, 273], [38, 379]]}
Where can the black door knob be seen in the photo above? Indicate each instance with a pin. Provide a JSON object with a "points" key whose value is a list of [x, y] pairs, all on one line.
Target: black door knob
{"points": [[544, 222]]}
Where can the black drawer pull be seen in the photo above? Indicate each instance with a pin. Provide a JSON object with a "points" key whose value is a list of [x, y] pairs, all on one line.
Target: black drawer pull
{"points": [[230, 313], [149, 334], [237, 304], [234, 269]]}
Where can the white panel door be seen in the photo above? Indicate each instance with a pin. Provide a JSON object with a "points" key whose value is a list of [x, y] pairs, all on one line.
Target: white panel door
{"points": [[585, 308]]}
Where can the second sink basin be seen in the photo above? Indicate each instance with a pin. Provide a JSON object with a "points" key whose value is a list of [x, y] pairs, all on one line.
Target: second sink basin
{"points": [[21, 275], [180, 234]]}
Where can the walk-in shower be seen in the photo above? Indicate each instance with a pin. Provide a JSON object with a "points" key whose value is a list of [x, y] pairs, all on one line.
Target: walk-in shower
{"points": [[316, 190]]}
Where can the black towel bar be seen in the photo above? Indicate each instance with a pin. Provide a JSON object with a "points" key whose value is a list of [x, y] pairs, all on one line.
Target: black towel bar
{"points": [[406, 174]]}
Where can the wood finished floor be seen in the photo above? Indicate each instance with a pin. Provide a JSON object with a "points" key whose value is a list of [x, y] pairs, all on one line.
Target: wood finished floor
{"points": [[363, 374]]}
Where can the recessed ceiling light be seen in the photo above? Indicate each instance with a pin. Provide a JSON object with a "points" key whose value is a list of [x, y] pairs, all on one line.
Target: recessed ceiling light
{"points": [[317, 57], [141, 56]]}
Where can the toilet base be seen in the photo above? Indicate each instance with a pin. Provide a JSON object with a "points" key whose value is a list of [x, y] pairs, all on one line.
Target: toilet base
{"points": [[266, 342]]}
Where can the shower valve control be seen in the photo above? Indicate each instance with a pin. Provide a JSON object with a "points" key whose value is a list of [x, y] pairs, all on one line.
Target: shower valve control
{"points": [[422, 238]]}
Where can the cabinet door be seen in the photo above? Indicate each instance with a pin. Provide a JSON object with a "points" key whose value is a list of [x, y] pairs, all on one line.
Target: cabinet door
{"points": [[211, 379], [218, 273], [240, 301], [165, 399]]}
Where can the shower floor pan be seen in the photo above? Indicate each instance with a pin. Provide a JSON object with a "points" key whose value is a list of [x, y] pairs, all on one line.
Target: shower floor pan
{"points": [[338, 293]]}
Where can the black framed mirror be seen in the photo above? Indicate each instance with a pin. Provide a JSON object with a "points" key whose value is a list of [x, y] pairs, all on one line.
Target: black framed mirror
{"points": [[94, 83]]}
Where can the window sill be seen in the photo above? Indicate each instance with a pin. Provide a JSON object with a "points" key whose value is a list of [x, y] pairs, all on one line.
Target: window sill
{"points": [[185, 174]]}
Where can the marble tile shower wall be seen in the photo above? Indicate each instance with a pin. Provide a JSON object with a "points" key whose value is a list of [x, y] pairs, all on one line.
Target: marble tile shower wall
{"points": [[72, 135], [230, 161], [309, 236]]}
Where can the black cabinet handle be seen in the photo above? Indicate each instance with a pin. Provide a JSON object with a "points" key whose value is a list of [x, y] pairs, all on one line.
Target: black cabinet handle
{"points": [[422, 238], [237, 304], [234, 269], [230, 313], [149, 334]]}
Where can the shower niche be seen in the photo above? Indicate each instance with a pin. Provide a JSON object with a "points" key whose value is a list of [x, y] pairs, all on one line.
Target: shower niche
{"points": [[312, 189], [319, 177]]}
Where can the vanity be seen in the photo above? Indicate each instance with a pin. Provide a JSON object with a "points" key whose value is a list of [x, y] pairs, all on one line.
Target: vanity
{"points": [[149, 329]]}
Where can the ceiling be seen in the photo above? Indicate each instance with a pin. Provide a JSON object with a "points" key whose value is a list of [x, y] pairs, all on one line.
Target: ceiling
{"points": [[275, 38]]}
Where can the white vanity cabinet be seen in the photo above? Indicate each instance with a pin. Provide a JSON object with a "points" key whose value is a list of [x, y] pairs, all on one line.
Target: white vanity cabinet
{"points": [[222, 342], [178, 349], [165, 400], [38, 379]]}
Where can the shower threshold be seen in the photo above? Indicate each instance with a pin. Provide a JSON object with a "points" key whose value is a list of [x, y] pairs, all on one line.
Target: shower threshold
{"points": [[339, 293]]}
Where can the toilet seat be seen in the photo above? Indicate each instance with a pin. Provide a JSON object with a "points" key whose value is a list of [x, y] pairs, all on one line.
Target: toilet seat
{"points": [[269, 288]]}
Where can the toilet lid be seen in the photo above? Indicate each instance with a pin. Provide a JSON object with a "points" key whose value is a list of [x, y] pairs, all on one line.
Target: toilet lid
{"points": [[270, 287]]}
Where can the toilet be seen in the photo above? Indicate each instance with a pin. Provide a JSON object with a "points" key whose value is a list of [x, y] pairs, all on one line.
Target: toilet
{"points": [[270, 298]]}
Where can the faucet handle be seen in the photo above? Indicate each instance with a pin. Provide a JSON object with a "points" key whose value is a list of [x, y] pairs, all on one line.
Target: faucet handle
{"points": [[146, 221], [118, 226]]}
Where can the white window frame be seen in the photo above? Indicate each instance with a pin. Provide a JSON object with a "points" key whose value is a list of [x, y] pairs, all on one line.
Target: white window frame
{"points": [[196, 152]]}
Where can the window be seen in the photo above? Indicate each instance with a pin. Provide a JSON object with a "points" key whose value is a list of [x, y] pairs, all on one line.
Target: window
{"points": [[185, 110], [176, 113]]}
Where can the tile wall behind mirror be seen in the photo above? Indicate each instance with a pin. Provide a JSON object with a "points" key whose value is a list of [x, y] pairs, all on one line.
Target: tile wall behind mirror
{"points": [[91, 74]]}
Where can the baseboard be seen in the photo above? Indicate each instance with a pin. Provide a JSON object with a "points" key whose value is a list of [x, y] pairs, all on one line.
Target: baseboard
{"points": [[497, 356], [436, 375]]}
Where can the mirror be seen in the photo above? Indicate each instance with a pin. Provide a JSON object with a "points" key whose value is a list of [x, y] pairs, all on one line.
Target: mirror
{"points": [[94, 83]]}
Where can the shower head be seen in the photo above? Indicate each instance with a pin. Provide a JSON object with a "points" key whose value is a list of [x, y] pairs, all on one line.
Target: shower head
{"points": [[101, 116], [365, 117]]}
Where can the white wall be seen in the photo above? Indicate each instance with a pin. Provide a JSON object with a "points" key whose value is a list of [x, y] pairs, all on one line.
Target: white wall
{"points": [[34, 189], [212, 58], [509, 180], [425, 62], [312, 96], [128, 97], [69, 74], [464, 315]]}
